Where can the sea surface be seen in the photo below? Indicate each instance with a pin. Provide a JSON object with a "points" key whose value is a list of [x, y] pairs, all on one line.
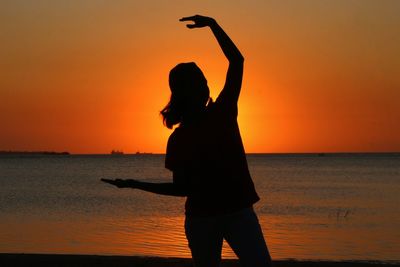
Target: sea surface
{"points": [[332, 207]]}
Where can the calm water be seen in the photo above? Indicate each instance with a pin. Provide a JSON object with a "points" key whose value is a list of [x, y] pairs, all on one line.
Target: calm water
{"points": [[333, 207]]}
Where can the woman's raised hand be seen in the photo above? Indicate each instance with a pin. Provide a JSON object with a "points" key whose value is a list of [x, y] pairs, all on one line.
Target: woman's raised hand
{"points": [[199, 21]]}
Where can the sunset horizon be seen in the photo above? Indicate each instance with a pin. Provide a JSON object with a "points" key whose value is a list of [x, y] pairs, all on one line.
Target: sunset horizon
{"points": [[92, 77], [141, 152]]}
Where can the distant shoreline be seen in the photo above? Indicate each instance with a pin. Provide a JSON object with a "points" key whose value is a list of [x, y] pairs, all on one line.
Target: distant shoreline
{"points": [[34, 153], [311, 154], [44, 260]]}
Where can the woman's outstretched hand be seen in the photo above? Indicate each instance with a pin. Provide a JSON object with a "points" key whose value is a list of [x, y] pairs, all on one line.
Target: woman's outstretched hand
{"points": [[199, 21], [120, 183]]}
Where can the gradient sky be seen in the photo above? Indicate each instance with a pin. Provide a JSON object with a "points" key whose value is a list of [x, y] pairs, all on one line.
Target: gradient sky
{"points": [[91, 76]]}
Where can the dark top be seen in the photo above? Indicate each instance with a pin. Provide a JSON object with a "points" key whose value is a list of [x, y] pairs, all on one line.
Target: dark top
{"points": [[210, 158]]}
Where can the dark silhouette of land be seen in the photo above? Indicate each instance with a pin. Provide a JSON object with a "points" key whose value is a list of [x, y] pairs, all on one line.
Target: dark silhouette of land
{"points": [[50, 260], [33, 153]]}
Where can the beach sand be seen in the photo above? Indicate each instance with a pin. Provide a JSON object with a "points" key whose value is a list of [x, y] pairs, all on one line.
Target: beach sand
{"points": [[42, 260]]}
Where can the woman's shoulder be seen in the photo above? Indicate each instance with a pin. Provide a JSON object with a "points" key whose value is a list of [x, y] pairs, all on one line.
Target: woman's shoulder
{"points": [[221, 110]]}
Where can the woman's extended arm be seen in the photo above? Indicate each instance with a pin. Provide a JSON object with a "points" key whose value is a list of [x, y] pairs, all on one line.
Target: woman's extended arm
{"points": [[233, 82], [169, 189]]}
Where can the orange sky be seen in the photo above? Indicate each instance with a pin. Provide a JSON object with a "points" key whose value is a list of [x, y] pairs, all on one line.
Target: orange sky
{"points": [[91, 76]]}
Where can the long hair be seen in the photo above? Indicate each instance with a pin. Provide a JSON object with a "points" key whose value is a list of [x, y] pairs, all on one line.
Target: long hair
{"points": [[172, 112], [188, 86]]}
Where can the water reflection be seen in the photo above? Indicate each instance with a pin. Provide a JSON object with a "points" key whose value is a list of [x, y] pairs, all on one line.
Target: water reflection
{"points": [[310, 208], [290, 237]]}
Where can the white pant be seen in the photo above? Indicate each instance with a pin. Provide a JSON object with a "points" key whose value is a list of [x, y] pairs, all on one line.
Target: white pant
{"points": [[240, 229]]}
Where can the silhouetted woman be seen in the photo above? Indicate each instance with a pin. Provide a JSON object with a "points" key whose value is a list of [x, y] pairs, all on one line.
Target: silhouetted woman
{"points": [[207, 158]]}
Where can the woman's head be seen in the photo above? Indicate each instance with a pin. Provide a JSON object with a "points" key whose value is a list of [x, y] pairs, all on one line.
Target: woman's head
{"points": [[189, 93]]}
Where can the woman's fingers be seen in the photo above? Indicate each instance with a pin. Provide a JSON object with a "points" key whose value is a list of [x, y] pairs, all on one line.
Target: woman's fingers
{"points": [[117, 182], [191, 26], [199, 21], [188, 18], [192, 18]]}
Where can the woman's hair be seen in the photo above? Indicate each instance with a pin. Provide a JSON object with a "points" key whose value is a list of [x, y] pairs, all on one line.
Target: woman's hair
{"points": [[188, 88]]}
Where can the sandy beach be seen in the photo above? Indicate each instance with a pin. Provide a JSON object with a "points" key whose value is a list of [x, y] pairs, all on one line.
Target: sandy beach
{"points": [[15, 260]]}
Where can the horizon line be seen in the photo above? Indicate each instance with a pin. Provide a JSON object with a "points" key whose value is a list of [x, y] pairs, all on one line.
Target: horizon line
{"points": [[163, 153]]}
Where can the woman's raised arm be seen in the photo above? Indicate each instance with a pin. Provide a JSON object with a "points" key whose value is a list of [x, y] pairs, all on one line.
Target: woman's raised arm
{"points": [[233, 82]]}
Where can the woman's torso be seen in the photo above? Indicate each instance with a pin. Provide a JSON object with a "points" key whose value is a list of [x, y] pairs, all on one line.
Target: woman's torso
{"points": [[211, 156]]}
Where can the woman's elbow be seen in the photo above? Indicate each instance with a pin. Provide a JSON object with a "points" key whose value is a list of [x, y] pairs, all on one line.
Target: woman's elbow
{"points": [[237, 59]]}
